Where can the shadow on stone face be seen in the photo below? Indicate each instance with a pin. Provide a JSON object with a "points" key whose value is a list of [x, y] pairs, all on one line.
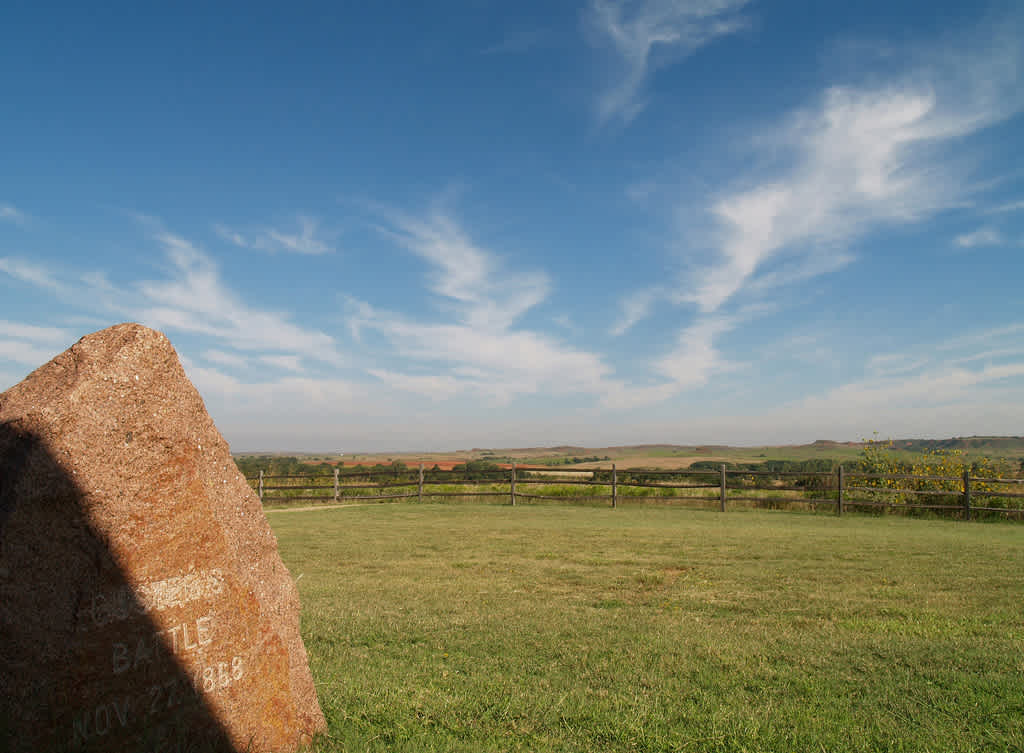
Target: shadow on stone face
{"points": [[83, 666]]}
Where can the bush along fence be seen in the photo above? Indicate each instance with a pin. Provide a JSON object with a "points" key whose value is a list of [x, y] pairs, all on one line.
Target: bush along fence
{"points": [[965, 496]]}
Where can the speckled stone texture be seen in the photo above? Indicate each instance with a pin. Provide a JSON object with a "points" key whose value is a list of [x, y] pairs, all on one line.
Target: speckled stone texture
{"points": [[143, 603]]}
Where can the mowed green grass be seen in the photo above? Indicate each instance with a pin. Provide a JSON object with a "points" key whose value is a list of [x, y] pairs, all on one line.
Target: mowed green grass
{"points": [[490, 628]]}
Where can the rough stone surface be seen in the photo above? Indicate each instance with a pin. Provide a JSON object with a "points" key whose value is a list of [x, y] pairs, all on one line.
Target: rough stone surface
{"points": [[143, 603]]}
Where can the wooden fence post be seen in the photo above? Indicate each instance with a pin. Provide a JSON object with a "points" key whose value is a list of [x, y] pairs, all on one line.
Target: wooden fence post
{"points": [[335, 484], [261, 487], [420, 489], [722, 490], [967, 494], [513, 484], [615, 486], [839, 490]]}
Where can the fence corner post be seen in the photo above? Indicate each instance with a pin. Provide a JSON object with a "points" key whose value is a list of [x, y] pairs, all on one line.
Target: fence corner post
{"points": [[261, 486], [967, 494], [615, 486], [839, 490], [420, 488], [512, 487], [335, 483], [721, 497]]}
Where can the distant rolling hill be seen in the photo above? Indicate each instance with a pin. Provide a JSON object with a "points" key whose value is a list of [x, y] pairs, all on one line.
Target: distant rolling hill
{"points": [[995, 446]]}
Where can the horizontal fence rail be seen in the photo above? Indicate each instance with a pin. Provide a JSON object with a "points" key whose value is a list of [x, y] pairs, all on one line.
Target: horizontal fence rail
{"points": [[843, 489]]}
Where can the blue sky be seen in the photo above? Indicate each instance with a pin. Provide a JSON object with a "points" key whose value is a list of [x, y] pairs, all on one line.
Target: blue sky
{"points": [[434, 226]]}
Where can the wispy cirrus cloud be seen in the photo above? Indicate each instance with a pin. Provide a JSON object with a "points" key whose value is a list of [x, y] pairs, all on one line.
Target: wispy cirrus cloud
{"points": [[30, 344], [26, 353], [33, 332], [989, 355], [894, 364], [305, 240], [295, 394], [694, 357], [478, 348], [983, 236], [33, 273], [996, 354], [499, 364], [1010, 206], [565, 322], [637, 306], [931, 388], [232, 236], [856, 158], [283, 361], [860, 158], [10, 213], [484, 293], [854, 167], [483, 351], [430, 386], [648, 34], [193, 298], [223, 358], [1013, 333], [959, 386]]}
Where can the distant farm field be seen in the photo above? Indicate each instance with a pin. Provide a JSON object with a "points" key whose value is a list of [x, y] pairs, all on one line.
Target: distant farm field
{"points": [[492, 628]]}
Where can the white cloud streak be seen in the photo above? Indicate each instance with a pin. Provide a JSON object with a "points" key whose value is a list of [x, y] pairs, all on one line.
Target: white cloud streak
{"points": [[33, 332], [485, 294], [284, 362], [985, 236], [501, 364], [988, 355], [1011, 206], [26, 353], [927, 389], [30, 344], [194, 299], [985, 339], [636, 307], [293, 394], [980, 369], [648, 34], [893, 364], [694, 359], [304, 241], [32, 273], [480, 351], [857, 159], [222, 358], [860, 158], [231, 236], [432, 387], [11, 213]]}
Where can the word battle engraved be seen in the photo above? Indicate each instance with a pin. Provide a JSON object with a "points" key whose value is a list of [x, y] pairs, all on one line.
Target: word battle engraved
{"points": [[147, 648]]}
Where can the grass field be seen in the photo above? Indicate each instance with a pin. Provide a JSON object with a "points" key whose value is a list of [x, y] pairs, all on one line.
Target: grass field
{"points": [[491, 628]]}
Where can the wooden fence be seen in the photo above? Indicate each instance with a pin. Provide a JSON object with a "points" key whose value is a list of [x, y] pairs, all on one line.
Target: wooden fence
{"points": [[964, 497]]}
